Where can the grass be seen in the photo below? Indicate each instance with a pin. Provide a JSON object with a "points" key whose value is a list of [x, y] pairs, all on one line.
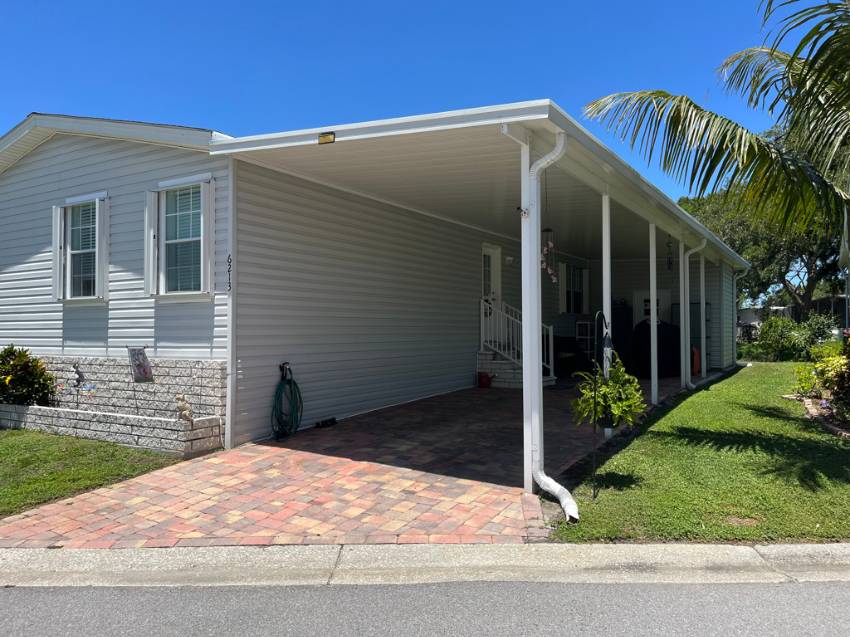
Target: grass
{"points": [[36, 467], [734, 462]]}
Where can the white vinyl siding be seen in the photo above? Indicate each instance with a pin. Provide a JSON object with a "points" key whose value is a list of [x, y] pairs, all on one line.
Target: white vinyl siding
{"points": [[67, 165], [371, 305]]}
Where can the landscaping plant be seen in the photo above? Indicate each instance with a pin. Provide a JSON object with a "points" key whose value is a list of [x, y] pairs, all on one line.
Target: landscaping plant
{"points": [[613, 401], [781, 339], [23, 378]]}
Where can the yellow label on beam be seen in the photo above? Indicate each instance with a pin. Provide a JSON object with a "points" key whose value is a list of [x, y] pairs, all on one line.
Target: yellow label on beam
{"points": [[327, 138]]}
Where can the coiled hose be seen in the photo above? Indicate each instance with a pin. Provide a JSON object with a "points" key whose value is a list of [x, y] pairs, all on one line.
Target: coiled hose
{"points": [[288, 405]]}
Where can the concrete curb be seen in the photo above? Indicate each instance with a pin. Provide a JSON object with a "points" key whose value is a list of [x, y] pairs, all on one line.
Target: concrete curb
{"points": [[416, 564]]}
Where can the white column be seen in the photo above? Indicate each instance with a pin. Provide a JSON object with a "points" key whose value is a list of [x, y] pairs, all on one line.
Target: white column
{"points": [[531, 369], [653, 317], [606, 272], [703, 355], [682, 301]]}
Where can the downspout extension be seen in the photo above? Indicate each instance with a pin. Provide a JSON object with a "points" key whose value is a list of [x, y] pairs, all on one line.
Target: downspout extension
{"points": [[565, 498], [687, 303]]}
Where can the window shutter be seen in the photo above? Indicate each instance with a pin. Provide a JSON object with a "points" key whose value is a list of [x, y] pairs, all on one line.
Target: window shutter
{"points": [[102, 247], [58, 252], [562, 288], [151, 243], [208, 236]]}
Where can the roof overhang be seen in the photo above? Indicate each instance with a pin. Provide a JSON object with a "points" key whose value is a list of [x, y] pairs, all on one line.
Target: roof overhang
{"points": [[467, 140], [37, 128]]}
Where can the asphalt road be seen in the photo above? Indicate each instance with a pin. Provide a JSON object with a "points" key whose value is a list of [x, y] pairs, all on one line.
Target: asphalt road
{"points": [[432, 609]]}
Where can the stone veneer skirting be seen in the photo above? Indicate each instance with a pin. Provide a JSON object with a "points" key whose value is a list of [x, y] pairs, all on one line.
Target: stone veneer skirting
{"points": [[108, 386], [171, 435]]}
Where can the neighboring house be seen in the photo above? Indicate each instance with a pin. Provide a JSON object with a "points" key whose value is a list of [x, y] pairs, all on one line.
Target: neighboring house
{"points": [[376, 258]]}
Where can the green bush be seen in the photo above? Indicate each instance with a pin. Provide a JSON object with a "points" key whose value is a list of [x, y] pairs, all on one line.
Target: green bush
{"points": [[833, 375], [777, 340], [749, 352], [807, 381], [618, 399], [823, 350], [24, 379], [781, 339]]}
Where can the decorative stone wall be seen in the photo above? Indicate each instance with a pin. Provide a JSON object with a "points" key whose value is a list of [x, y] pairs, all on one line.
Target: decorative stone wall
{"points": [[109, 387], [171, 435]]}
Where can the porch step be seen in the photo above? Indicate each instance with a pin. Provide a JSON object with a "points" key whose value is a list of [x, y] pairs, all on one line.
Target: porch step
{"points": [[507, 373]]}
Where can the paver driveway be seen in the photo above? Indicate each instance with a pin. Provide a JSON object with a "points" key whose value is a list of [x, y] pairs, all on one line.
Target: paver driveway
{"points": [[444, 469]]}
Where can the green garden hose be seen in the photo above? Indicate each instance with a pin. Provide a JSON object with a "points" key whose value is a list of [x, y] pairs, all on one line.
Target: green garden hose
{"points": [[288, 405]]}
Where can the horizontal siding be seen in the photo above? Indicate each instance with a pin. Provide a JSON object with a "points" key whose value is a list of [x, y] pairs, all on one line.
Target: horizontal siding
{"points": [[69, 165], [729, 304], [372, 305]]}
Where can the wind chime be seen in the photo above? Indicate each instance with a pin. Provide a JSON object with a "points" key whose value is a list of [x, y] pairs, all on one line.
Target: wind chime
{"points": [[547, 251]]}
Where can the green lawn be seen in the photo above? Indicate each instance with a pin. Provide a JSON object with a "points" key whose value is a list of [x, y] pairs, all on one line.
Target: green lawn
{"points": [[734, 462], [37, 467]]}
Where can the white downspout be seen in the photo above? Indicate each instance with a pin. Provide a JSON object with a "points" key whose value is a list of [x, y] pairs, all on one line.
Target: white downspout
{"points": [[687, 321], [568, 504]]}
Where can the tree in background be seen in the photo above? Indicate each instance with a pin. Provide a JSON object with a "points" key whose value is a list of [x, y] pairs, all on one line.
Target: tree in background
{"points": [[793, 265]]}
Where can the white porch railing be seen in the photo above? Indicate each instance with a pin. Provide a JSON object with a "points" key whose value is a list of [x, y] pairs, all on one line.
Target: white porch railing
{"points": [[501, 332]]}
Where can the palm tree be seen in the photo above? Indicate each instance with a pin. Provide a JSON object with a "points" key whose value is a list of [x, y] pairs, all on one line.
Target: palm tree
{"points": [[797, 177]]}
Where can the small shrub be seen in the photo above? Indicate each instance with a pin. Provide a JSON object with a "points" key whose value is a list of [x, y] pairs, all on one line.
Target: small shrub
{"points": [[807, 381], [824, 350], [23, 378], [749, 351], [619, 399], [776, 340], [833, 375], [781, 339]]}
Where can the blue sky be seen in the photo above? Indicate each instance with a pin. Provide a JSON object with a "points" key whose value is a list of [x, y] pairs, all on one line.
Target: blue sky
{"points": [[256, 67]]}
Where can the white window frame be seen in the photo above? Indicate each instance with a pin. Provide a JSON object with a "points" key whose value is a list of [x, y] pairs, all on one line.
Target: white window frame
{"points": [[155, 241], [62, 252], [566, 291]]}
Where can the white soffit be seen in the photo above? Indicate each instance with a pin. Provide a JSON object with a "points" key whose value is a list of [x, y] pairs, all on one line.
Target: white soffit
{"points": [[459, 165]]}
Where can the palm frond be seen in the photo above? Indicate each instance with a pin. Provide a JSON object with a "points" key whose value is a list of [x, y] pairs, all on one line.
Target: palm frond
{"points": [[817, 107], [709, 152], [771, 79]]}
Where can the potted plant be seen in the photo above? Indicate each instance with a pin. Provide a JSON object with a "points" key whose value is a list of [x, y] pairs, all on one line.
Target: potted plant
{"points": [[613, 402]]}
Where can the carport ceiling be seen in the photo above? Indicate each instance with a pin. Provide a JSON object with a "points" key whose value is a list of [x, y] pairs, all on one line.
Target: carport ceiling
{"points": [[471, 176]]}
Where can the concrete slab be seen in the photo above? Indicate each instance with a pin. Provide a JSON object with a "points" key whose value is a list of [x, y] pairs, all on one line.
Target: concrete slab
{"points": [[218, 566], [553, 563], [809, 562]]}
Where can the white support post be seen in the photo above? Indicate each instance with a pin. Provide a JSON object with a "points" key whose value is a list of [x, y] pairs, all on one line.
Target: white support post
{"points": [[606, 274], [682, 301], [530, 258], [703, 355], [653, 316]]}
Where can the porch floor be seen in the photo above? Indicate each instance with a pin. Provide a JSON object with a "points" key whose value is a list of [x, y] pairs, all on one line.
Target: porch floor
{"points": [[444, 469]]}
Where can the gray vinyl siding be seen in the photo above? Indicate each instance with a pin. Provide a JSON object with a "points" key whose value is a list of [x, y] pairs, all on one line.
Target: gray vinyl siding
{"points": [[66, 166], [372, 305], [729, 305]]}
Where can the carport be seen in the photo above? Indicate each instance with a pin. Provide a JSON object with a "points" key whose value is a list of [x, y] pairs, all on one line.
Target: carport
{"points": [[525, 174]]}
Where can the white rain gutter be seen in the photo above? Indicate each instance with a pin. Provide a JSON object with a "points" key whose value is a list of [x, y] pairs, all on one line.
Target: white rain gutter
{"points": [[686, 327], [565, 498]]}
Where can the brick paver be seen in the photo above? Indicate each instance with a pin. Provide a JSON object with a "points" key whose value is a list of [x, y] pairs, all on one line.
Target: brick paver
{"points": [[441, 470]]}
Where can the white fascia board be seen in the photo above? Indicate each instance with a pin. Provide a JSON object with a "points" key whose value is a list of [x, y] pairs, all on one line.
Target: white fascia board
{"points": [[521, 111], [610, 159]]}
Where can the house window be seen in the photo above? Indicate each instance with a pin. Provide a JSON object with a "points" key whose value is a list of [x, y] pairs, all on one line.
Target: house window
{"points": [[179, 233], [571, 284], [81, 266], [182, 210], [81, 248]]}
